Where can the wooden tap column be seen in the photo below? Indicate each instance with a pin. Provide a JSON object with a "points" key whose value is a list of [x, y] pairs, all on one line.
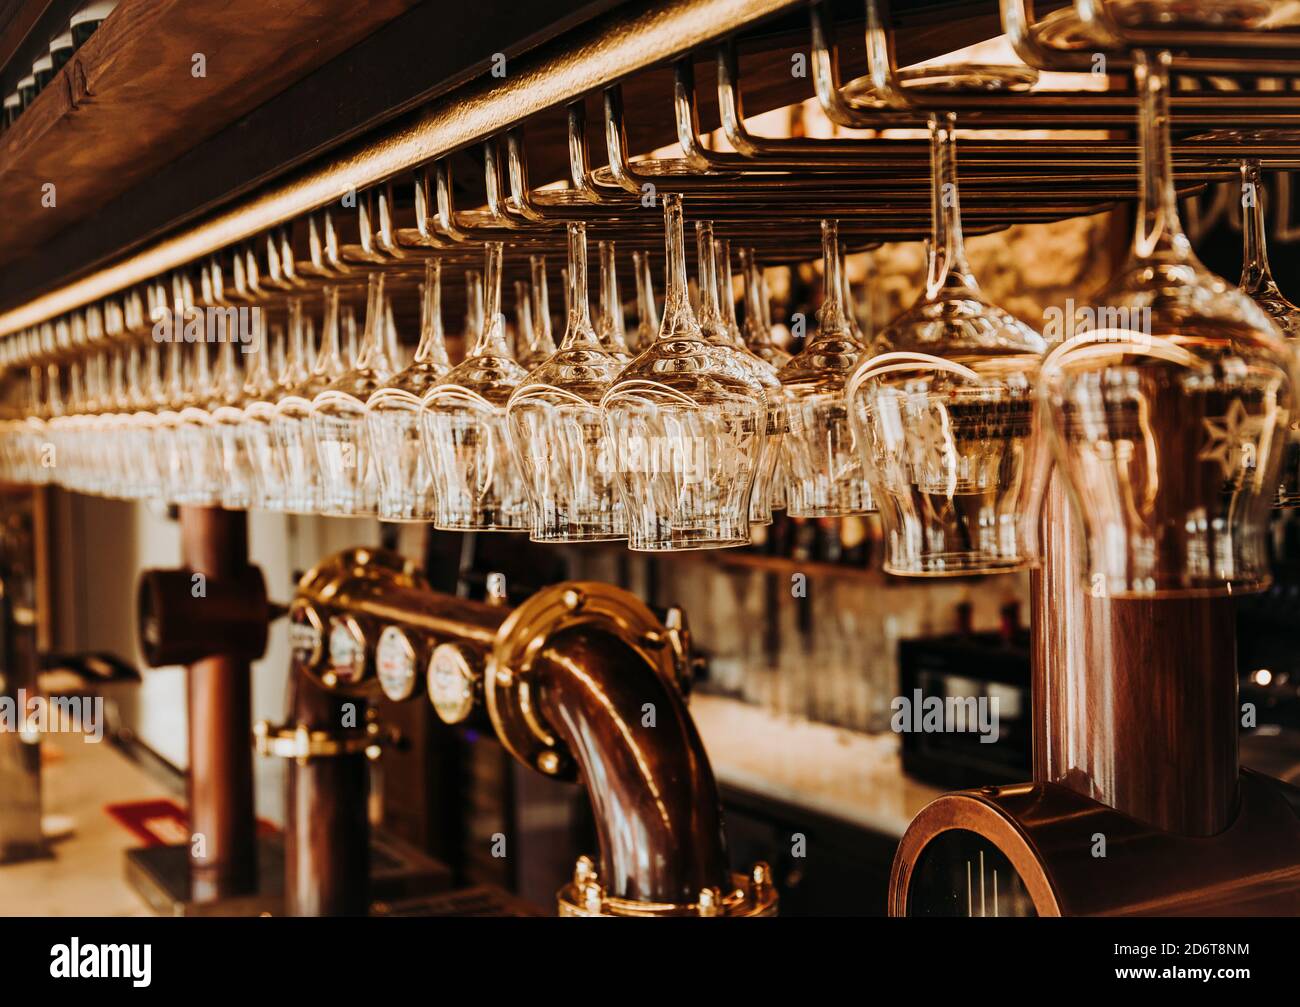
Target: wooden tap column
{"points": [[223, 857], [327, 835], [1135, 702]]}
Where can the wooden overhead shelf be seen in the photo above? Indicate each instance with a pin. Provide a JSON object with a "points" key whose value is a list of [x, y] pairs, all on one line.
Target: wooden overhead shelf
{"points": [[128, 102], [139, 149]]}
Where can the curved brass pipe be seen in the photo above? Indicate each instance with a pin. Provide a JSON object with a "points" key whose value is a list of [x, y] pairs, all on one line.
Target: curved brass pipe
{"points": [[655, 802], [582, 682]]}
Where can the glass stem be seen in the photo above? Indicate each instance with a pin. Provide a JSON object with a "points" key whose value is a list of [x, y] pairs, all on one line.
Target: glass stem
{"points": [[294, 358], [226, 379], [647, 312], [391, 350], [329, 360], [432, 348], [54, 397], [753, 291], [492, 338], [543, 337], [579, 331], [1256, 277], [611, 304], [710, 318], [370, 350], [259, 367], [948, 247], [524, 338], [831, 316], [726, 283], [678, 318], [1158, 227], [174, 385], [473, 306]]}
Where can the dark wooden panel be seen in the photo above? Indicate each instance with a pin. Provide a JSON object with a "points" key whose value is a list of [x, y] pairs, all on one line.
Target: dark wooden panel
{"points": [[128, 101]]}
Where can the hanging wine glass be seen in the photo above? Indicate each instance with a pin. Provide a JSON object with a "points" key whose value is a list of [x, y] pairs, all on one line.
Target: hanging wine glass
{"points": [[61, 414], [1169, 422], [348, 481], [172, 399], [609, 324], [140, 479], [152, 472], [227, 421], [556, 428], [686, 432], [647, 313], [725, 337], [757, 336], [406, 486], [479, 486], [1257, 281], [825, 473], [262, 392], [945, 412], [109, 425], [31, 432], [292, 429], [199, 444]]}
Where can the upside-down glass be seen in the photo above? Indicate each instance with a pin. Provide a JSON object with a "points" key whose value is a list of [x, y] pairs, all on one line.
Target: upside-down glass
{"points": [[171, 400], [227, 418], [348, 482], [687, 433], [1257, 281], [479, 485], [945, 412], [406, 486], [724, 334], [556, 429], [757, 335], [1168, 425], [825, 473], [292, 428], [261, 393]]}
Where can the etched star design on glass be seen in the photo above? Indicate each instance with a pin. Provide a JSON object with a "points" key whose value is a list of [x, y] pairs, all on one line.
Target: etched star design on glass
{"points": [[1232, 441]]}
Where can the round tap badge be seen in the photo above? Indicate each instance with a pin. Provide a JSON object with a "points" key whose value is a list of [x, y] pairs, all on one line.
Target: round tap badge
{"points": [[306, 635], [395, 664], [347, 651], [451, 683]]}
